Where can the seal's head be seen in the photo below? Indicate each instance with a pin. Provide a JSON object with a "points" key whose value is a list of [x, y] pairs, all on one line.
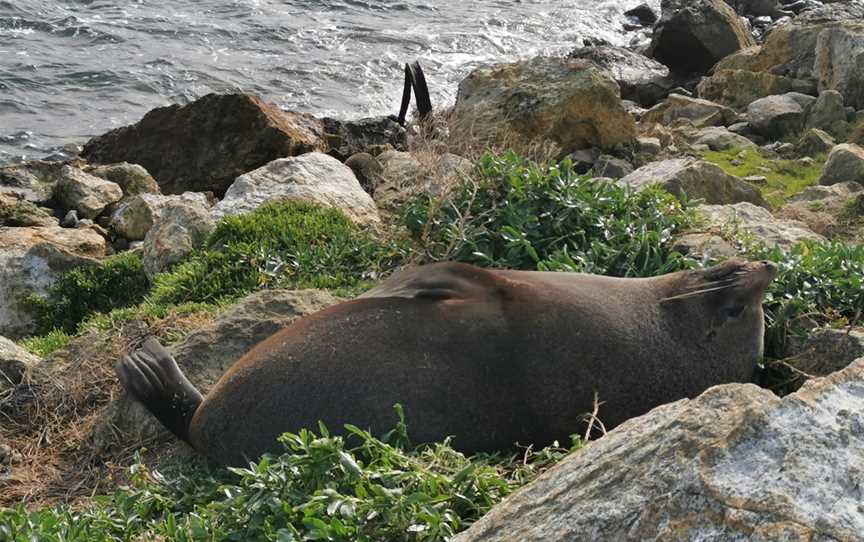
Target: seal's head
{"points": [[724, 302]]}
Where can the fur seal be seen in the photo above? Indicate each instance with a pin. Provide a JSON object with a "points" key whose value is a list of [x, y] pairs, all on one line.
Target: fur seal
{"points": [[490, 357]]}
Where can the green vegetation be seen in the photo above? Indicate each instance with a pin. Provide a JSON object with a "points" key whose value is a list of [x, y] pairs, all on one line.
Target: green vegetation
{"points": [[521, 215], [281, 245], [785, 177], [117, 282], [42, 345], [324, 488]]}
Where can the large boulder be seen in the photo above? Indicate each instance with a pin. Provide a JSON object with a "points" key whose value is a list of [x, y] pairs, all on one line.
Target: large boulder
{"points": [[14, 363], [736, 463], [758, 223], [694, 179], [739, 88], [824, 45], [31, 260], [87, 194], [845, 163], [776, 117], [134, 216], [313, 177], [641, 79], [208, 352], [348, 137], [182, 226], [205, 145], [693, 35], [569, 102], [696, 111], [33, 181], [828, 113], [718, 138], [814, 142]]}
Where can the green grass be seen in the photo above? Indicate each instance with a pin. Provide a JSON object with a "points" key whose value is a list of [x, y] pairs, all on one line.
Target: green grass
{"points": [[520, 215], [323, 488], [785, 177], [42, 345]]}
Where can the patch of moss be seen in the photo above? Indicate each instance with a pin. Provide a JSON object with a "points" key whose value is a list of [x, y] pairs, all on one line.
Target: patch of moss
{"points": [[785, 178]]}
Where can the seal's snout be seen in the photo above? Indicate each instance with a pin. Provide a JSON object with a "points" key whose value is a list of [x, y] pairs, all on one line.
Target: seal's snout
{"points": [[770, 268]]}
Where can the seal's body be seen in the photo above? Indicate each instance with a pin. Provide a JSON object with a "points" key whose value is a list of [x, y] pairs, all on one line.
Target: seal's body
{"points": [[492, 358]]}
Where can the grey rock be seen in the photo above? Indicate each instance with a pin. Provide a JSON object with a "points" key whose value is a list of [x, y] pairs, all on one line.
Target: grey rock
{"points": [[182, 226], [759, 223], [845, 163], [642, 80], [312, 177], [695, 179], [693, 35], [367, 169], [18, 212], [405, 175], [736, 463], [348, 137], [828, 113], [718, 138], [776, 117], [825, 351], [14, 363], [87, 194], [70, 219], [814, 142], [134, 216], [33, 181], [706, 246], [609, 166], [819, 193], [570, 103], [699, 112]]}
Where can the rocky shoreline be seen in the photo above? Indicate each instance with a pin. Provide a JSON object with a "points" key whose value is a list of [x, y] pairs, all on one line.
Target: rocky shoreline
{"points": [[755, 108]]}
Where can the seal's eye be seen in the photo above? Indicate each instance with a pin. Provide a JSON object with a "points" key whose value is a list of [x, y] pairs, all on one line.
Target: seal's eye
{"points": [[734, 311]]}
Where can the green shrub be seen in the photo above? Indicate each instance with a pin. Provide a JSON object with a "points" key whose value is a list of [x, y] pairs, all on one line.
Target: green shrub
{"points": [[522, 215], [321, 489], [117, 282], [287, 244]]}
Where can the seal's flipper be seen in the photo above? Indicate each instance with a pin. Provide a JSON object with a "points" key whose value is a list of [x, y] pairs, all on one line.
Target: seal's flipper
{"points": [[152, 377], [415, 79], [421, 91]]}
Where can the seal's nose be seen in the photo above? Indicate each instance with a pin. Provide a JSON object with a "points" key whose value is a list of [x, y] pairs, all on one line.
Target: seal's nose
{"points": [[770, 266]]}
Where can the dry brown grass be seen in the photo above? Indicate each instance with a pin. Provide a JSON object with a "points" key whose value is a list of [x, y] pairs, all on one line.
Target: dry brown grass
{"points": [[49, 418]]}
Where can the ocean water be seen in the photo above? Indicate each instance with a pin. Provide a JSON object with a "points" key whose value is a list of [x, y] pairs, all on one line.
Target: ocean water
{"points": [[71, 69]]}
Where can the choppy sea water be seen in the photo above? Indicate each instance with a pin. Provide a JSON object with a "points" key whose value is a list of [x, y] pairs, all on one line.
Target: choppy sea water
{"points": [[71, 69]]}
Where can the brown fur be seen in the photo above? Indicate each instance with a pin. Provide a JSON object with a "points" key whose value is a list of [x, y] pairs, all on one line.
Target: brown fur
{"points": [[490, 357]]}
